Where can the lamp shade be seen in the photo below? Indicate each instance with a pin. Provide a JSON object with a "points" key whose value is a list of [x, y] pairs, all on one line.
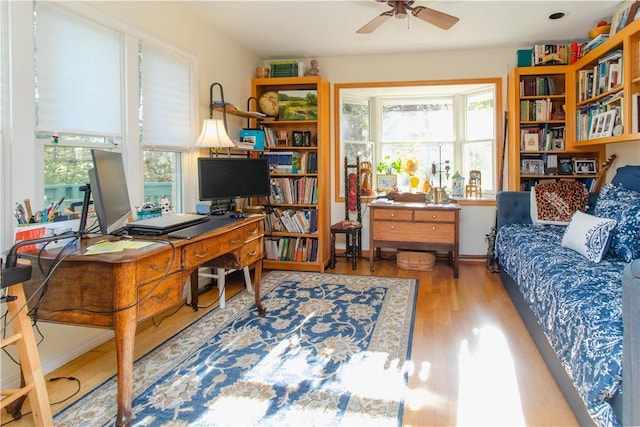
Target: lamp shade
{"points": [[213, 135]]}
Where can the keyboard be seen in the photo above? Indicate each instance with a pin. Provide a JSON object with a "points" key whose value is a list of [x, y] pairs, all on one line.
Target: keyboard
{"points": [[198, 229]]}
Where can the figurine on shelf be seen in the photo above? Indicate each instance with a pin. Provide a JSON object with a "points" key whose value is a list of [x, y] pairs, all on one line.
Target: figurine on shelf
{"points": [[366, 169], [313, 69]]}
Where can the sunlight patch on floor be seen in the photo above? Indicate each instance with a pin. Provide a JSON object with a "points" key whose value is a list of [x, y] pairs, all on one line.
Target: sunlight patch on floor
{"points": [[488, 387]]}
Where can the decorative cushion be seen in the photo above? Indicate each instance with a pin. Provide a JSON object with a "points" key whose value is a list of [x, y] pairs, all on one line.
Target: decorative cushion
{"points": [[622, 205], [628, 177], [555, 202], [588, 235]]}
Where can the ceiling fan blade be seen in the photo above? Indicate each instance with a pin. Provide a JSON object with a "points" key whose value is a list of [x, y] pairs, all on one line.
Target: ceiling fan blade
{"points": [[370, 26], [439, 19]]}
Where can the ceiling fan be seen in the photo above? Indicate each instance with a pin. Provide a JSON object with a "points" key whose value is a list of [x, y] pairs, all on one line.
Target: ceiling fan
{"points": [[400, 10]]}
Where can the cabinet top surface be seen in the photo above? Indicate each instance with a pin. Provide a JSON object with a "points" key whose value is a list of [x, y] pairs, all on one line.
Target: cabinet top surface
{"points": [[415, 205]]}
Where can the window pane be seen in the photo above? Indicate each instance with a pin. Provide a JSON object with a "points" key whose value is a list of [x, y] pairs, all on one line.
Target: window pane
{"points": [[65, 171], [479, 156], [480, 117], [78, 84], [355, 121], [413, 122], [162, 177], [165, 99]]}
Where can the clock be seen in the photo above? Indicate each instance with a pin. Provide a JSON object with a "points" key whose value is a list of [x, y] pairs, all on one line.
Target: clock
{"points": [[268, 103]]}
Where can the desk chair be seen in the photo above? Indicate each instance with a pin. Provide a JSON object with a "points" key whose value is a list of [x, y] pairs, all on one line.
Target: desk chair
{"points": [[352, 229], [220, 267]]}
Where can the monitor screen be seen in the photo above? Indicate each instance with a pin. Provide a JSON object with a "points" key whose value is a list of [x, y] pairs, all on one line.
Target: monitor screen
{"points": [[109, 190], [228, 177]]}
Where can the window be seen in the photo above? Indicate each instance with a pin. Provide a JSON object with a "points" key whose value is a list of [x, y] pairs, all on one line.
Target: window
{"points": [[81, 60], [429, 131]]}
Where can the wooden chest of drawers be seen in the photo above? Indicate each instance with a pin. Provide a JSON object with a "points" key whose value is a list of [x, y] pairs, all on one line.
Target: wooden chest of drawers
{"points": [[417, 226]]}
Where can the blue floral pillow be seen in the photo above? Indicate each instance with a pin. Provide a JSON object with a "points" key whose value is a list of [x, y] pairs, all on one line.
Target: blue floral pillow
{"points": [[623, 205], [588, 235]]}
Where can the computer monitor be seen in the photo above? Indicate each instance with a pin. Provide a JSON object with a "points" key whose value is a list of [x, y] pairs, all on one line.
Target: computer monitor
{"points": [[228, 178], [109, 190]]}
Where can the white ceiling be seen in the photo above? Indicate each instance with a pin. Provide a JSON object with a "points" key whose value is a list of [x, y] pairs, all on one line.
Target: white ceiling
{"points": [[308, 28]]}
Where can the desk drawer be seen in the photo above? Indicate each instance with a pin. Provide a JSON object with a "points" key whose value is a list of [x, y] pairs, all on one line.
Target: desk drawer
{"points": [[251, 252], [154, 267], [159, 296], [414, 232], [395, 214], [200, 252], [435, 215]]}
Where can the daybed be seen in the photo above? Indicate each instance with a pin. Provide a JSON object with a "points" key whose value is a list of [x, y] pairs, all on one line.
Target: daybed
{"points": [[576, 308]]}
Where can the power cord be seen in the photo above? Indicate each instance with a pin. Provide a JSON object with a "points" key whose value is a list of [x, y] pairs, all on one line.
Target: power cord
{"points": [[19, 415]]}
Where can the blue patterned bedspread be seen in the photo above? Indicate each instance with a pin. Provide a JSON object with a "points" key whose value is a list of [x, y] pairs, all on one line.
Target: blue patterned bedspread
{"points": [[578, 304]]}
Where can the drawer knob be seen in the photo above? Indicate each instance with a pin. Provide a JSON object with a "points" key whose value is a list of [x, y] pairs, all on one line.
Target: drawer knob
{"points": [[393, 227], [434, 228], [161, 298], [434, 216], [392, 214], [253, 232], [235, 241], [253, 252]]}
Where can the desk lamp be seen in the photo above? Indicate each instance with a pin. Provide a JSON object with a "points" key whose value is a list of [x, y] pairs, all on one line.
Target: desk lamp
{"points": [[214, 137]]}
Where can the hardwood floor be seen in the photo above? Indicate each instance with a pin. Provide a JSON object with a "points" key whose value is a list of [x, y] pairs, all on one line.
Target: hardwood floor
{"points": [[474, 362]]}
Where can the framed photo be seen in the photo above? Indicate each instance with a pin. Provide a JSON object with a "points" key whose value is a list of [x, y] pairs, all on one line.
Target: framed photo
{"points": [[634, 13], [306, 138], [597, 122], [387, 182], [532, 167], [565, 166], [620, 16], [609, 120], [531, 142], [585, 166], [297, 138]]}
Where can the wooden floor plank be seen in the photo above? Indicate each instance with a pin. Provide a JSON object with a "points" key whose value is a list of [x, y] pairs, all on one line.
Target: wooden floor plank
{"points": [[473, 360]]}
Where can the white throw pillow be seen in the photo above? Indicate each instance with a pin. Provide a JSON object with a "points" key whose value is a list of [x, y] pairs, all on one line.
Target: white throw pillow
{"points": [[588, 235]]}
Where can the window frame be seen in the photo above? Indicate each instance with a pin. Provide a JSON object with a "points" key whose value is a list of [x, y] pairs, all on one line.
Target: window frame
{"points": [[409, 88], [130, 144]]}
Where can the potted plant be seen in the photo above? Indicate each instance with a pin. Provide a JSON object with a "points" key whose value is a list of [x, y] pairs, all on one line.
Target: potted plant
{"points": [[386, 166]]}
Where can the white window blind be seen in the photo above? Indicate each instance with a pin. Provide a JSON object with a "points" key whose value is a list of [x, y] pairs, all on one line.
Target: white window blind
{"points": [[78, 77], [165, 98]]}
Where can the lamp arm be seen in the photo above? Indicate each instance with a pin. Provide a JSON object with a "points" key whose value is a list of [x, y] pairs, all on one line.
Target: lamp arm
{"points": [[12, 255], [224, 109]]}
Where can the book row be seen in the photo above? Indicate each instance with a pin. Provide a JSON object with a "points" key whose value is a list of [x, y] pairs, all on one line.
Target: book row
{"points": [[303, 190], [292, 220], [603, 77], [292, 161], [568, 53], [541, 85], [542, 138], [537, 110], [299, 249]]}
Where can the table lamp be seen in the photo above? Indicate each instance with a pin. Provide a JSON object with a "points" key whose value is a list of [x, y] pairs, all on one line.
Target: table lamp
{"points": [[214, 136]]}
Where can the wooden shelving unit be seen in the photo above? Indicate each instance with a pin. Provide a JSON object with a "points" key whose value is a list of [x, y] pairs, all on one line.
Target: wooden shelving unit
{"points": [[539, 128], [313, 247]]}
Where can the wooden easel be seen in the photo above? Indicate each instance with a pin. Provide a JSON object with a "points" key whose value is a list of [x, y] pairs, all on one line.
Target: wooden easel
{"points": [[34, 385]]}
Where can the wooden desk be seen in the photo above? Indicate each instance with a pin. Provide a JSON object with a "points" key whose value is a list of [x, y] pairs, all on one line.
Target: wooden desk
{"points": [[119, 290], [418, 226]]}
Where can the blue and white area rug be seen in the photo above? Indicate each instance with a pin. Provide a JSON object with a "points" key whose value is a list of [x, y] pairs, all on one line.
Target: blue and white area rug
{"points": [[330, 351]]}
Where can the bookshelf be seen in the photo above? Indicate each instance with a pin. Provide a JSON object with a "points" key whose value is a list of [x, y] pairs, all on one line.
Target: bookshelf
{"points": [[606, 82], [538, 131], [298, 215]]}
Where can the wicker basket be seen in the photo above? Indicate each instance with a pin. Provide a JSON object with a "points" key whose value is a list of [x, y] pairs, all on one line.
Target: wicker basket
{"points": [[421, 261]]}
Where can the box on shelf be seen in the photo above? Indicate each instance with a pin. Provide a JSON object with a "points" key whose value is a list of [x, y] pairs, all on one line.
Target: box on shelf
{"points": [[253, 136], [284, 68], [524, 57]]}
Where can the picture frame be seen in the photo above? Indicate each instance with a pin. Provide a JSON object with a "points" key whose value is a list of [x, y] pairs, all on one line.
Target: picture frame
{"points": [[386, 183], [306, 138], [634, 13], [609, 120], [597, 122], [531, 142], [585, 166], [532, 167], [620, 16], [297, 138], [566, 166]]}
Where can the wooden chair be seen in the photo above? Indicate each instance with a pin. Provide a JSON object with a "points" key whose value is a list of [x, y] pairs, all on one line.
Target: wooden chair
{"points": [[34, 386], [351, 228]]}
